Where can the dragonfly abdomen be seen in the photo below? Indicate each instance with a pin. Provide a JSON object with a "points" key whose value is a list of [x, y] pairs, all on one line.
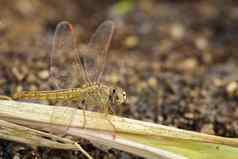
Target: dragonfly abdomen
{"points": [[48, 95]]}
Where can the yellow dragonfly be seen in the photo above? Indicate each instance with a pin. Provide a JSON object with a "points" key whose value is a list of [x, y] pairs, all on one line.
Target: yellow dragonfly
{"points": [[88, 63]]}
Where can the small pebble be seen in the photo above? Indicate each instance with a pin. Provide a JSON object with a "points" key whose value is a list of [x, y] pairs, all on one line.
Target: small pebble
{"points": [[33, 88], [177, 31], [141, 86], [232, 88], [131, 41], [19, 88], [31, 78], [152, 82], [44, 74], [189, 65], [25, 7], [218, 82], [2, 25], [201, 43], [189, 115], [2, 82]]}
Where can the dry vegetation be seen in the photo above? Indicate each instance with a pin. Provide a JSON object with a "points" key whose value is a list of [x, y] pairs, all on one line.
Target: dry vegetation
{"points": [[176, 60]]}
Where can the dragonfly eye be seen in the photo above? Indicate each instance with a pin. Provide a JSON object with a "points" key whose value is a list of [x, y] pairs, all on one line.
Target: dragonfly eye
{"points": [[124, 94]]}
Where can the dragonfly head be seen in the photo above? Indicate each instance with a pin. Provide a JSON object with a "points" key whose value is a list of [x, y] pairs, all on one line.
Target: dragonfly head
{"points": [[117, 96]]}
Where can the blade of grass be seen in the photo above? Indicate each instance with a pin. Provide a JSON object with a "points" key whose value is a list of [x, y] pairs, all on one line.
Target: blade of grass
{"points": [[35, 138], [141, 138]]}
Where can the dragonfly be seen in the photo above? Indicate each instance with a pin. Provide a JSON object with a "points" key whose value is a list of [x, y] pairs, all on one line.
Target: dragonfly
{"points": [[86, 62]]}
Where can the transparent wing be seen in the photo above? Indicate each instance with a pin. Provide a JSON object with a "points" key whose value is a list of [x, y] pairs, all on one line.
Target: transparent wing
{"points": [[62, 72], [89, 61], [93, 57]]}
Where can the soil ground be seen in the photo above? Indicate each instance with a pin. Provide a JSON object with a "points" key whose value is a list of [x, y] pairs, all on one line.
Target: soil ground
{"points": [[177, 60]]}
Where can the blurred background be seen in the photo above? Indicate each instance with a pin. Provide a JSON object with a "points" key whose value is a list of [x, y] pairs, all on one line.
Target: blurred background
{"points": [[177, 60]]}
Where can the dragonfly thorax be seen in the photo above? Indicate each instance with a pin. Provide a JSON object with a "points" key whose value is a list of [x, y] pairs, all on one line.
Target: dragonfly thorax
{"points": [[99, 94]]}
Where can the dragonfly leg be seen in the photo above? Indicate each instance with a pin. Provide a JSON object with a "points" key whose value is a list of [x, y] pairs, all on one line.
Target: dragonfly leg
{"points": [[107, 109], [84, 113], [111, 110], [5, 97]]}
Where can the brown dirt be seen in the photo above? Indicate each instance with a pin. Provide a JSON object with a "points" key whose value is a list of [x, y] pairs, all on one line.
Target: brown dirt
{"points": [[177, 60]]}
